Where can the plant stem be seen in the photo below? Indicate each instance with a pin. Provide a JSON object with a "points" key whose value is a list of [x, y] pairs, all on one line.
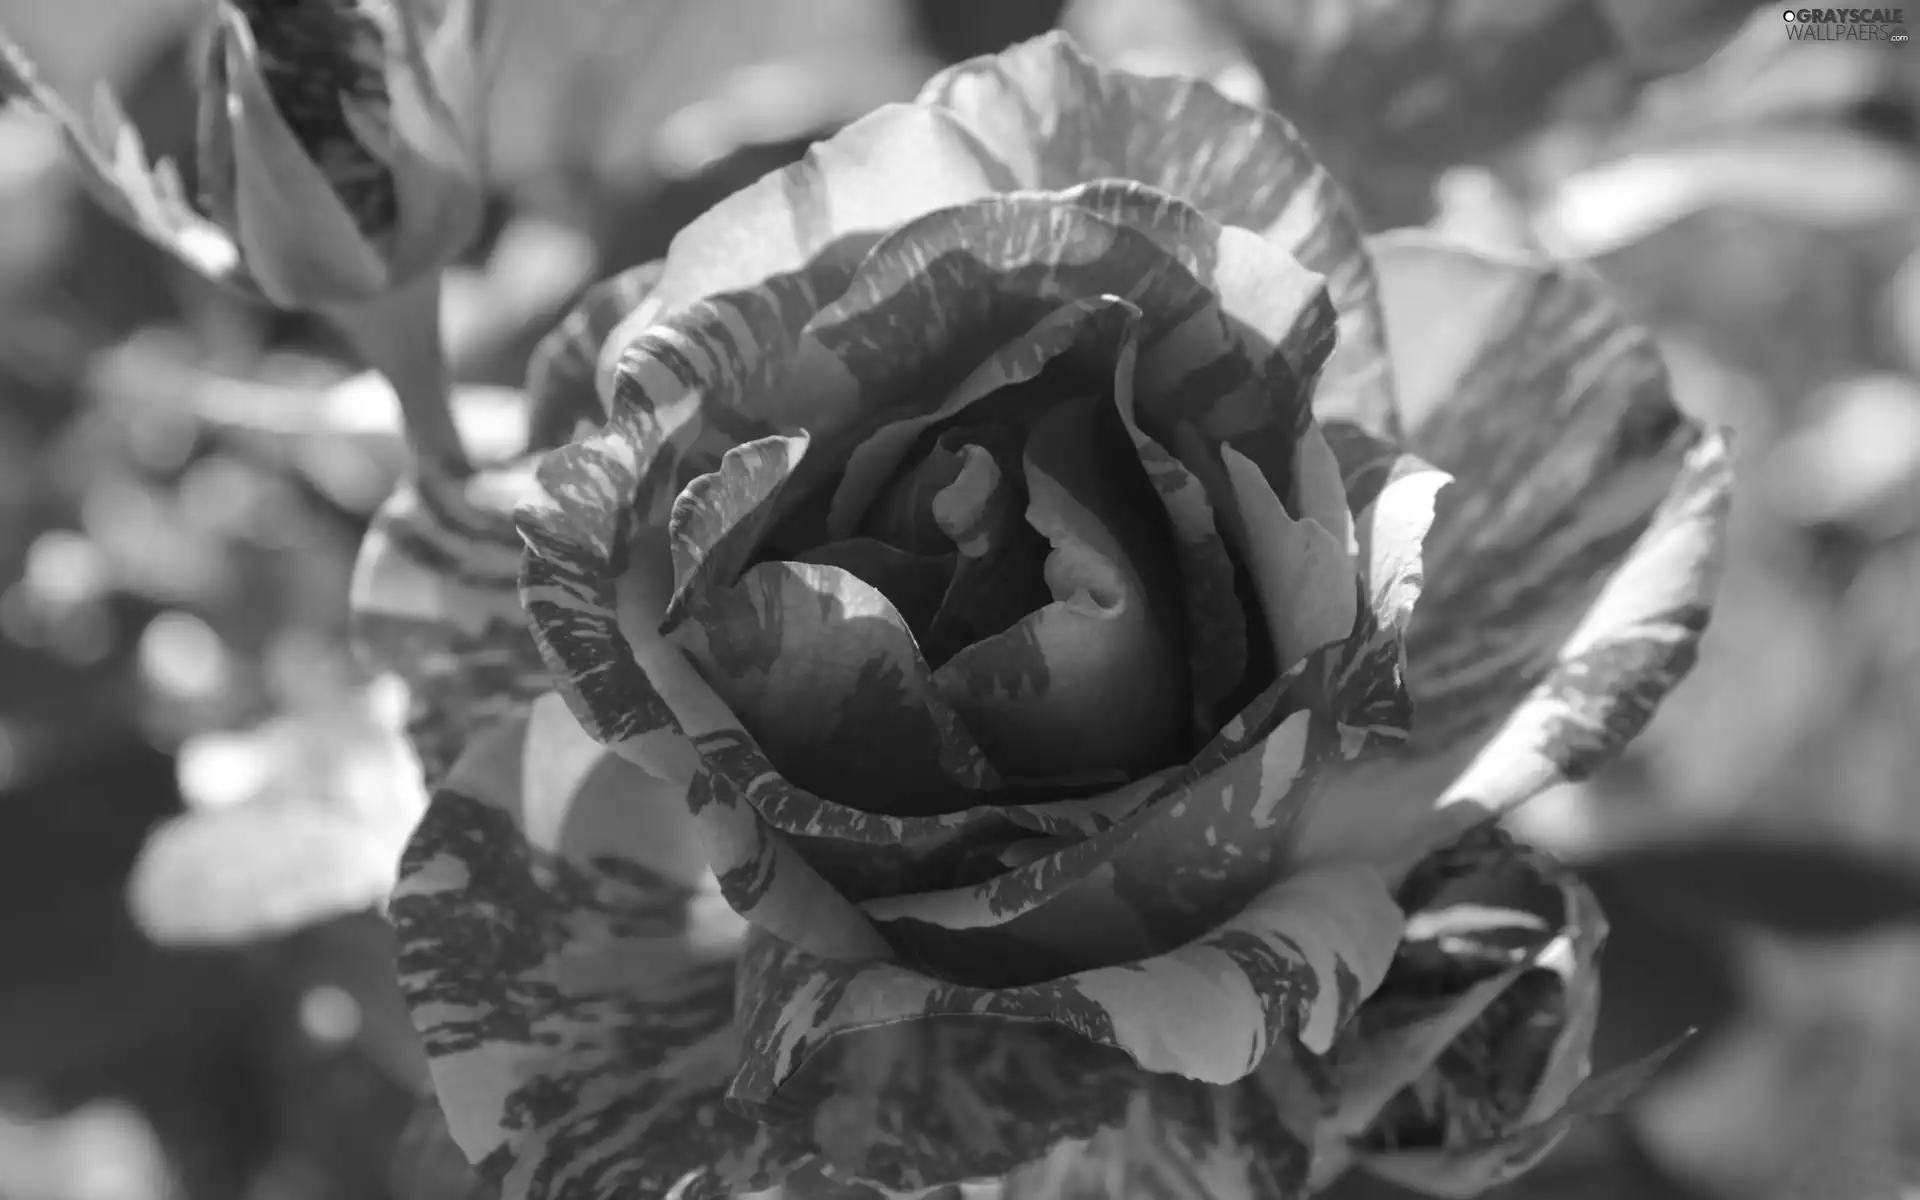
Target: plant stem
{"points": [[398, 335]]}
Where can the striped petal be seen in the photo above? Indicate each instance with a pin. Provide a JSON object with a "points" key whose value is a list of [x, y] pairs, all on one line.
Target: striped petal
{"points": [[747, 366], [1175, 853], [1088, 682], [563, 385], [825, 670], [570, 969], [1056, 120], [1471, 1061], [1569, 566], [827, 210], [435, 602], [1291, 966]]}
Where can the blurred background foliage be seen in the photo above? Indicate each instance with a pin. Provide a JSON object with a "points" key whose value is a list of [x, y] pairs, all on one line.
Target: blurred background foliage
{"points": [[202, 799]]}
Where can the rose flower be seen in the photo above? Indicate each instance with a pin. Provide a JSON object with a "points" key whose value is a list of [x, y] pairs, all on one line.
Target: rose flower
{"points": [[1002, 664]]}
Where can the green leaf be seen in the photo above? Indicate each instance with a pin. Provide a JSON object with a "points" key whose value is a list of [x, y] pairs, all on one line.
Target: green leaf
{"points": [[1057, 120], [1570, 565]]}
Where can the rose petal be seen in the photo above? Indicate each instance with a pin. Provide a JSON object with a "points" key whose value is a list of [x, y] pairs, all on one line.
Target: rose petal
{"points": [[553, 922], [1241, 370], [1001, 574], [1393, 493], [825, 670], [714, 376], [912, 583], [1216, 621], [720, 517], [1057, 120], [435, 602], [1292, 965], [1175, 854], [1080, 334], [562, 388], [1301, 571], [1086, 683], [1563, 596], [892, 165]]}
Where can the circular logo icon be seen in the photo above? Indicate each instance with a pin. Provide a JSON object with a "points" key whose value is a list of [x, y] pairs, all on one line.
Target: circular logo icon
{"points": [[1897, 34], [1788, 14]]}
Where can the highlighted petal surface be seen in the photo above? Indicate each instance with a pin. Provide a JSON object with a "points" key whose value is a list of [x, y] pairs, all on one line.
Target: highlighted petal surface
{"points": [[1570, 564], [1056, 120]]}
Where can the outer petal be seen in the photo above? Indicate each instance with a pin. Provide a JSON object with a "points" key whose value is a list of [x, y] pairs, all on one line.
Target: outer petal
{"points": [[435, 602], [1292, 965], [1569, 567], [892, 165], [571, 974], [1058, 120], [563, 383]]}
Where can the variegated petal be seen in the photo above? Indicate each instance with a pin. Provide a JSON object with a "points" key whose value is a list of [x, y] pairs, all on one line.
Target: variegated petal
{"points": [[1177, 852], [570, 968], [1092, 681], [824, 668], [562, 376], [1057, 119], [435, 601], [1292, 965], [827, 210], [1570, 566]]}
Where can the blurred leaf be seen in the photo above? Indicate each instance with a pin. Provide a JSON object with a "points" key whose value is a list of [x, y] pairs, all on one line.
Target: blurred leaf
{"points": [[1856, 461], [1389, 92], [1826, 179], [625, 90], [1803, 887], [1814, 1095], [103, 1151], [334, 796]]}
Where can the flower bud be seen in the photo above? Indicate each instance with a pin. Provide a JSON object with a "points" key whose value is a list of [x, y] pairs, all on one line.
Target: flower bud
{"points": [[338, 144]]}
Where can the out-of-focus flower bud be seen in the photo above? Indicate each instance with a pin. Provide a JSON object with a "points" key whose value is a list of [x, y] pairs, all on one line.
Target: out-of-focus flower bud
{"points": [[341, 166], [339, 144], [340, 150]]}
